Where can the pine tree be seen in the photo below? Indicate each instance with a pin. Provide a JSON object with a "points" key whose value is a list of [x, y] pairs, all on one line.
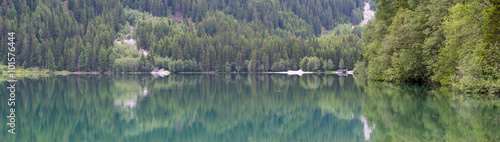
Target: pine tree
{"points": [[36, 57], [103, 59], [60, 64], [71, 4], [311, 52], [176, 51], [50, 60], [252, 66], [112, 57], [82, 62], [11, 13], [265, 61], [152, 41], [142, 63], [71, 60], [207, 61], [25, 52], [303, 63], [239, 61]]}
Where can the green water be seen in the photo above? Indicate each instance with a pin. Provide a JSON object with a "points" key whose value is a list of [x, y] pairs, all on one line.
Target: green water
{"points": [[242, 107]]}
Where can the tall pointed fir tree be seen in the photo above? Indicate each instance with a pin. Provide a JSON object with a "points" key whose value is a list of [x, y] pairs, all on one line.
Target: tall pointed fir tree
{"points": [[103, 59], [50, 60]]}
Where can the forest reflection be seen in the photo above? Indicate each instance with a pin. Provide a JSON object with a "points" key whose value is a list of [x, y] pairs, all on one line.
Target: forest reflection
{"points": [[245, 107]]}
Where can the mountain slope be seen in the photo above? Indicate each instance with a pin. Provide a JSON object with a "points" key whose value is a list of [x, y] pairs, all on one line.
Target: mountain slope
{"points": [[183, 35]]}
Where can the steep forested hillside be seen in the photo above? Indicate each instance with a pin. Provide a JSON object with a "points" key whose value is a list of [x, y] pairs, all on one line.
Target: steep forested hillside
{"points": [[273, 14], [55, 35], [222, 43], [183, 35], [453, 42]]}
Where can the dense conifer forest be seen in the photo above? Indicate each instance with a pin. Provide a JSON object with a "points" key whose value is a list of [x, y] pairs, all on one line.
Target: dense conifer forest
{"points": [[183, 35]]}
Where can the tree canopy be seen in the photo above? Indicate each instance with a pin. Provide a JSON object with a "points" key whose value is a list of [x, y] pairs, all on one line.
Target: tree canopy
{"points": [[202, 35], [451, 42]]}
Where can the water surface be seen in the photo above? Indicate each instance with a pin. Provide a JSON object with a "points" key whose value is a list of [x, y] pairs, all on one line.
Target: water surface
{"points": [[243, 107]]}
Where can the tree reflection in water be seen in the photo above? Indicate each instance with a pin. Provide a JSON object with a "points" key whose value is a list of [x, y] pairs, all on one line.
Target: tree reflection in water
{"points": [[245, 107]]}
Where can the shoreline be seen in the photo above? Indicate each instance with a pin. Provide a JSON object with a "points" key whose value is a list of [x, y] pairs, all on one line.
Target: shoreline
{"points": [[44, 72]]}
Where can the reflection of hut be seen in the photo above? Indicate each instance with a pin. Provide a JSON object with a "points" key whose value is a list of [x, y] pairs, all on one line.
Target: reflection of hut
{"points": [[342, 72]]}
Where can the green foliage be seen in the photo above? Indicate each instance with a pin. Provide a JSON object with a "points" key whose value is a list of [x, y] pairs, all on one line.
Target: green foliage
{"points": [[459, 47], [302, 17], [492, 23], [177, 66], [162, 63], [103, 59], [81, 33], [325, 66], [279, 66], [220, 38], [66, 28], [11, 13], [360, 68], [60, 64], [83, 61], [330, 65], [126, 64], [50, 61], [313, 64], [341, 64], [125, 50], [265, 63], [227, 67], [143, 66], [303, 64], [490, 53], [310, 64], [343, 42], [373, 5], [190, 66], [443, 41]]}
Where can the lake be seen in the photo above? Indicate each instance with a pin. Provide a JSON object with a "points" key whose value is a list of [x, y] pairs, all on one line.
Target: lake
{"points": [[243, 107]]}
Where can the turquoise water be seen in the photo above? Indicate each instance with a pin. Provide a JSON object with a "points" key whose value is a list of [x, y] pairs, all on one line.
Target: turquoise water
{"points": [[243, 107]]}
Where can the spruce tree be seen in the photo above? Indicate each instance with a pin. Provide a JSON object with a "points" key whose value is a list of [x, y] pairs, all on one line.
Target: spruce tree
{"points": [[50, 60], [142, 63], [103, 59], [265, 61], [82, 61], [60, 64]]}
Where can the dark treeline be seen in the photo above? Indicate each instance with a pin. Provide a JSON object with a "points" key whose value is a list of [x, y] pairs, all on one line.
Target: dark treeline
{"points": [[452, 42], [79, 35]]}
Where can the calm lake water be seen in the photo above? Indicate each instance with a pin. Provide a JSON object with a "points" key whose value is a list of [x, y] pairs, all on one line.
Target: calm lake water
{"points": [[242, 107]]}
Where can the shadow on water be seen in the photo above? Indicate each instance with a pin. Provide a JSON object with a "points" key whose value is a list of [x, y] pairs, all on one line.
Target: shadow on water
{"points": [[245, 107]]}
